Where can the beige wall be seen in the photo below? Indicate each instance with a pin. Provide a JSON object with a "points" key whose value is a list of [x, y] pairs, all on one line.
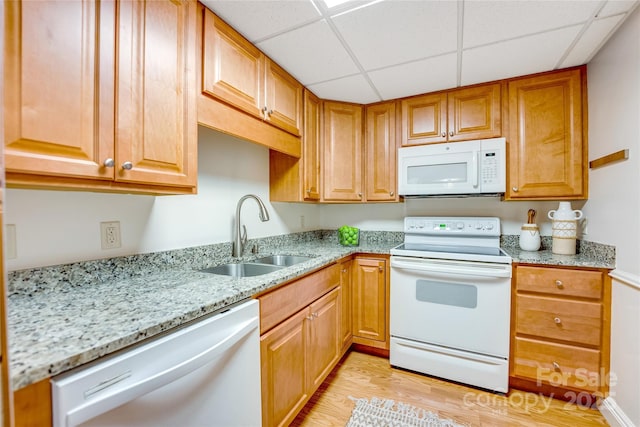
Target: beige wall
{"points": [[613, 207]]}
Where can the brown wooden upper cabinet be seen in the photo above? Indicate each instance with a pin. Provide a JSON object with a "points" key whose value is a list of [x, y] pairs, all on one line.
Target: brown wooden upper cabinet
{"points": [[381, 149], [456, 115], [238, 73], [547, 150], [293, 179], [65, 79], [342, 152]]}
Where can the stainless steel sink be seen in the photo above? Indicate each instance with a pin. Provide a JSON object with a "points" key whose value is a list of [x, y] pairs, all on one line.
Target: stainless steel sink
{"points": [[243, 269], [283, 260]]}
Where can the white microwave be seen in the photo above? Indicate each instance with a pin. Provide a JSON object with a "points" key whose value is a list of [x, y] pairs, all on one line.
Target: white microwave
{"points": [[472, 168]]}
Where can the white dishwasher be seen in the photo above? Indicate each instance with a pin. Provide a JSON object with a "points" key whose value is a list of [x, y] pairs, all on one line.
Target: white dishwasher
{"points": [[205, 374]]}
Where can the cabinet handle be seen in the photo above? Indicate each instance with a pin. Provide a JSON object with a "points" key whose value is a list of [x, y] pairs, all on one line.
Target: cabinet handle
{"points": [[360, 195], [559, 284], [109, 163], [344, 271], [556, 366], [127, 166], [515, 189], [443, 134], [309, 191], [380, 269], [270, 112], [451, 133], [557, 320], [264, 112], [392, 193], [310, 317]]}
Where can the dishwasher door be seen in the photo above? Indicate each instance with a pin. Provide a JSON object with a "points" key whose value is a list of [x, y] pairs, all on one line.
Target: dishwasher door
{"points": [[206, 374]]}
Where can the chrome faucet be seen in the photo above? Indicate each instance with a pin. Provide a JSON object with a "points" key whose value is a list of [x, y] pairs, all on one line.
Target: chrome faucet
{"points": [[240, 239]]}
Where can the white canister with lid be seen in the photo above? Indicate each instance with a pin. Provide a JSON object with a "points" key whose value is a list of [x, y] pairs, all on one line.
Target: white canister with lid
{"points": [[564, 229]]}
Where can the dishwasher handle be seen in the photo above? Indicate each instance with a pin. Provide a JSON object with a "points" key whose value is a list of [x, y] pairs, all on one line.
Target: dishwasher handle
{"points": [[124, 394], [459, 268]]}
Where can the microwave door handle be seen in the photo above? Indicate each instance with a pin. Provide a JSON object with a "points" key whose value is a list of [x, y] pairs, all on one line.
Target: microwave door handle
{"points": [[474, 169]]}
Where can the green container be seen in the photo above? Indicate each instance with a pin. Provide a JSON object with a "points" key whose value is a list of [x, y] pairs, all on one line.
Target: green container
{"points": [[348, 236]]}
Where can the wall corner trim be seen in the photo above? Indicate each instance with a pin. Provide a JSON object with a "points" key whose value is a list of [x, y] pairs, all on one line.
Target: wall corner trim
{"points": [[614, 415]]}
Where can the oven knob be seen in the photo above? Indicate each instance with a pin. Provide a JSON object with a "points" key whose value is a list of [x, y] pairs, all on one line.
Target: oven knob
{"points": [[478, 226], [460, 225], [489, 226]]}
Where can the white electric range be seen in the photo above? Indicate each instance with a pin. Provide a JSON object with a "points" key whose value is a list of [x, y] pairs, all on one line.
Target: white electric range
{"points": [[451, 299]]}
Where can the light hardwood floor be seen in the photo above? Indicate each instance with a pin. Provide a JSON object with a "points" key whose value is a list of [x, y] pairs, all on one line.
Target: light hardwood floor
{"points": [[362, 375]]}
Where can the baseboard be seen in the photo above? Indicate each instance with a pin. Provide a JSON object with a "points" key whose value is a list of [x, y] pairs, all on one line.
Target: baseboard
{"points": [[614, 415]]}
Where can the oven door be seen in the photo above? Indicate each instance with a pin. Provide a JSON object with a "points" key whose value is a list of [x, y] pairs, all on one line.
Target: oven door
{"points": [[457, 304]]}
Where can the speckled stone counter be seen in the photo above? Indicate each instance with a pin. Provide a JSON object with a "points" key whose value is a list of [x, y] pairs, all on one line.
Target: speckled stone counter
{"points": [[64, 316], [61, 317], [589, 254]]}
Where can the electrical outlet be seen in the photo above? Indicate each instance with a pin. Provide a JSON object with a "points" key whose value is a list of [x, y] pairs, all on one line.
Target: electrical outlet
{"points": [[11, 249], [110, 234], [585, 226]]}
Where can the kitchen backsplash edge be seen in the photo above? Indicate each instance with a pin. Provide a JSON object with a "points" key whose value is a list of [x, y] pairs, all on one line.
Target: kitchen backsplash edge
{"points": [[85, 273]]}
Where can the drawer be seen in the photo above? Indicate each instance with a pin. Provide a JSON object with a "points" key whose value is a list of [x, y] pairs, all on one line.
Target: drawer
{"points": [[557, 364], [560, 281], [576, 321], [285, 301]]}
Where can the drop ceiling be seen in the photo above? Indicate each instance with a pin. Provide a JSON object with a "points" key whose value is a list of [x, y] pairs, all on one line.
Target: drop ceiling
{"points": [[369, 51]]}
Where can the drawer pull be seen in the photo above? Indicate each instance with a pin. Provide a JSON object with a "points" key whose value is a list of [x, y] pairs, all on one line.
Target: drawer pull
{"points": [[556, 366], [557, 320], [310, 317], [559, 284]]}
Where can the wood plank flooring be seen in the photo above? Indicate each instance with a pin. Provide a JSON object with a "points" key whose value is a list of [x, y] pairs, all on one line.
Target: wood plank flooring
{"points": [[363, 375]]}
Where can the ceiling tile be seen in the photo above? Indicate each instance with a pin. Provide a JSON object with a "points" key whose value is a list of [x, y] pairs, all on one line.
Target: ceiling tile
{"points": [[416, 77], [392, 32], [258, 19], [311, 53], [613, 7], [513, 58], [491, 21], [591, 40], [350, 89]]}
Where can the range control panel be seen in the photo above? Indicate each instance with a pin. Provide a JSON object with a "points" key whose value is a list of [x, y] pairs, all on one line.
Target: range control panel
{"points": [[450, 226]]}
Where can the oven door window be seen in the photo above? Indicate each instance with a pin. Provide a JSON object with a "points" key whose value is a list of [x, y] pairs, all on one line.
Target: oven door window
{"points": [[454, 294]]}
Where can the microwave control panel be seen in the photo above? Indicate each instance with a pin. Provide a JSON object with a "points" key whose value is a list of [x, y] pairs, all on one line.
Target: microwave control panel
{"points": [[492, 170]]}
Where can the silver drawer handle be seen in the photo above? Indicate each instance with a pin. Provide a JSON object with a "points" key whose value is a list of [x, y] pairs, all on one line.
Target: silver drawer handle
{"points": [[559, 284], [127, 166], [109, 163], [556, 366], [557, 320]]}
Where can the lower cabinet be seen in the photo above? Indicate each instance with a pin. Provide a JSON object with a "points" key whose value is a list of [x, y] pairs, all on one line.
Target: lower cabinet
{"points": [[561, 330], [370, 302], [298, 353]]}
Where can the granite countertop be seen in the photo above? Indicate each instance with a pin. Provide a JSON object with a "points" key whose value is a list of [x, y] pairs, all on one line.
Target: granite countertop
{"points": [[61, 317], [55, 328]]}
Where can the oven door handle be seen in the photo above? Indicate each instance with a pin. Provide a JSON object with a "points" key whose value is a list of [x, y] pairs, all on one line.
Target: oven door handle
{"points": [[460, 269]]}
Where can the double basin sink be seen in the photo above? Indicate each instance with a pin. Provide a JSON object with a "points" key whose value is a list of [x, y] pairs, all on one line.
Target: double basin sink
{"points": [[257, 267]]}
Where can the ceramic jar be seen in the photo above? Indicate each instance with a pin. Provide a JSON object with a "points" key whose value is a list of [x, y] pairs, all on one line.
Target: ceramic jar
{"points": [[564, 224], [529, 237]]}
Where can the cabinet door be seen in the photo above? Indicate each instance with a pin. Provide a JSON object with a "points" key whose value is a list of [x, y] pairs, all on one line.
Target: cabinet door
{"points": [[424, 119], [58, 115], [232, 68], [369, 299], [474, 113], [342, 152], [283, 98], [545, 128], [156, 115], [346, 329], [323, 340], [283, 362], [311, 148], [381, 149]]}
